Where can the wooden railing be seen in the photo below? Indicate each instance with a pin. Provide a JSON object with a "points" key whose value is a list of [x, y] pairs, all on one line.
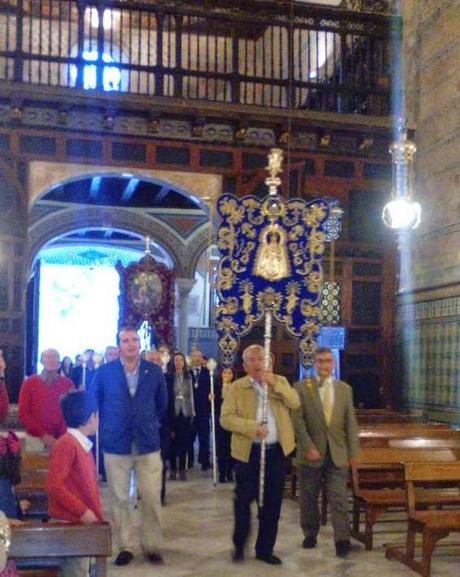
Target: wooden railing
{"points": [[272, 54]]}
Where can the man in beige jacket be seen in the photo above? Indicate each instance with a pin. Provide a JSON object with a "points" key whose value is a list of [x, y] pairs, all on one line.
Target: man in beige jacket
{"points": [[327, 442], [242, 415]]}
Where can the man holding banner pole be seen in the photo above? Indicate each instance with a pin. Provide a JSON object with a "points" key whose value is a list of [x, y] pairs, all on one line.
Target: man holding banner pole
{"points": [[242, 415]]}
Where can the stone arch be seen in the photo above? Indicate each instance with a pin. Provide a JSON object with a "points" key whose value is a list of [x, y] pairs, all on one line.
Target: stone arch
{"points": [[71, 219], [45, 175], [198, 246]]}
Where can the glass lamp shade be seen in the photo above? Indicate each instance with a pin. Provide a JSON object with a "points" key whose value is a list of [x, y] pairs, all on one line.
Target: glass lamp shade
{"points": [[402, 214]]}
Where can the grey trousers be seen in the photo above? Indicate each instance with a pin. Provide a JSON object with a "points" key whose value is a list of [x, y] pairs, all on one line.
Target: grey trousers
{"points": [[336, 479]]}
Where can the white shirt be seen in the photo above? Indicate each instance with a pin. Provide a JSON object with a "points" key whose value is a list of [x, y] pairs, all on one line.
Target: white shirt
{"points": [[81, 438], [272, 436], [328, 384], [132, 378]]}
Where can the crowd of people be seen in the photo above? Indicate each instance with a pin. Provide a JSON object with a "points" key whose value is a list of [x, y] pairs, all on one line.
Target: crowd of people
{"points": [[149, 410]]}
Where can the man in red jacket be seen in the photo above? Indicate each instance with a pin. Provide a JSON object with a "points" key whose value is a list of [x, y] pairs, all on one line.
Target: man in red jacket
{"points": [[39, 409], [71, 484]]}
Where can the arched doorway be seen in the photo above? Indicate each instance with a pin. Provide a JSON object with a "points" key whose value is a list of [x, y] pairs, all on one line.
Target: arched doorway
{"points": [[78, 289], [88, 223]]}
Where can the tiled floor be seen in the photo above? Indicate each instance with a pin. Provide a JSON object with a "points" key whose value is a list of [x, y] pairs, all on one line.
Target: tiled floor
{"points": [[197, 527]]}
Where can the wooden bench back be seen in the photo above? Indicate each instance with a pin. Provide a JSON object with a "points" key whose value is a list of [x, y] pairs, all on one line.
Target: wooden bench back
{"points": [[371, 417], [378, 412], [403, 427], [35, 462], [34, 469], [383, 468], [366, 421], [58, 539], [394, 455], [432, 471], [429, 473], [381, 438], [425, 443]]}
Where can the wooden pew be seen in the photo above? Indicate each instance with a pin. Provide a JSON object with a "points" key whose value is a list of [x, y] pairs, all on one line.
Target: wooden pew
{"points": [[382, 436], [374, 417], [378, 437], [48, 572], [382, 427], [378, 485], [34, 469], [52, 541], [432, 524], [452, 442]]}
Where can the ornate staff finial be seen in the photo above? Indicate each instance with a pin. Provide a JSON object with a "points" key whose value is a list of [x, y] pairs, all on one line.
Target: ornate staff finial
{"points": [[275, 161]]}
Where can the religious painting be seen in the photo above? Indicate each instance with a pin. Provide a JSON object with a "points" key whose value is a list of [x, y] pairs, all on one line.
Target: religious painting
{"points": [[146, 292], [147, 295]]}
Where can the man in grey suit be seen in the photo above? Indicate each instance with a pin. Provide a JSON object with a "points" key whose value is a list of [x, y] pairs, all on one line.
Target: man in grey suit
{"points": [[327, 443]]}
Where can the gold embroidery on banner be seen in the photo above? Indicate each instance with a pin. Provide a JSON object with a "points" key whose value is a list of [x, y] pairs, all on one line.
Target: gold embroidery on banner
{"points": [[293, 289], [226, 279], [272, 261], [247, 296], [268, 239]]}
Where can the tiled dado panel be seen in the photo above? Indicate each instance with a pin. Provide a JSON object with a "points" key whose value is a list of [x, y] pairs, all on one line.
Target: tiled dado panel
{"points": [[429, 339]]}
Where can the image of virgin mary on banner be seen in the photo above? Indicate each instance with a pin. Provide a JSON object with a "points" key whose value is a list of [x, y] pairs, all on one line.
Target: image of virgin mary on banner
{"points": [[271, 254]]}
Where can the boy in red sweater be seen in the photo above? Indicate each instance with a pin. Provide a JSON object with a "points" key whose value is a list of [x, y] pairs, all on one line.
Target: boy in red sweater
{"points": [[71, 483]]}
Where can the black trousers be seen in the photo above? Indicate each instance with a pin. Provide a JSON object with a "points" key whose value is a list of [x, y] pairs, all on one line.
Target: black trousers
{"points": [[179, 443], [247, 490], [200, 429], [223, 452]]}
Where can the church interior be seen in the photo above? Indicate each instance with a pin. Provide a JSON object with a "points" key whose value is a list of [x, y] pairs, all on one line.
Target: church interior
{"points": [[122, 124]]}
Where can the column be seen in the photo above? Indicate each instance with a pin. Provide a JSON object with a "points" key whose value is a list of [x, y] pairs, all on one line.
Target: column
{"points": [[13, 253], [184, 286]]}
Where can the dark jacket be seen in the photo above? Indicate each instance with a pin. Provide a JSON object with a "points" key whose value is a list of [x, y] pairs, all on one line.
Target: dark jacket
{"points": [[8, 502], [126, 419], [168, 417], [201, 390], [77, 376]]}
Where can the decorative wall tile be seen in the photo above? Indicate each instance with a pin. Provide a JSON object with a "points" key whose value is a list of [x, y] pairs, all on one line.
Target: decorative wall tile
{"points": [[429, 337]]}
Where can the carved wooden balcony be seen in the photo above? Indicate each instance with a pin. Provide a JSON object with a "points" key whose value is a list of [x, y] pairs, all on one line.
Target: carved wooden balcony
{"points": [[234, 54]]}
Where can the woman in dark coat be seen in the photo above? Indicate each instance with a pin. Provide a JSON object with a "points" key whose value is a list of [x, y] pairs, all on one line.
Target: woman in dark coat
{"points": [[180, 390]]}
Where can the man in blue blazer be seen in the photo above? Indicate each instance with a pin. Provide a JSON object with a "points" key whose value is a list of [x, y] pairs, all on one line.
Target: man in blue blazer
{"points": [[132, 400]]}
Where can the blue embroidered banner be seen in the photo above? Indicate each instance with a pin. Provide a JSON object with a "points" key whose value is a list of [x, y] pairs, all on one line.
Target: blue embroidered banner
{"points": [[270, 257]]}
